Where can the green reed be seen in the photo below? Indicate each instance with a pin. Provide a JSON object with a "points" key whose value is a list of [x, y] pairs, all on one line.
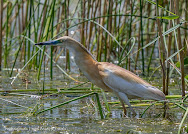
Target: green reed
{"points": [[1, 25], [78, 98]]}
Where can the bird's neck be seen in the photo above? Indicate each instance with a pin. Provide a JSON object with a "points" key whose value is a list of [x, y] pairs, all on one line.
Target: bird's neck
{"points": [[81, 54], [83, 58], [87, 64]]}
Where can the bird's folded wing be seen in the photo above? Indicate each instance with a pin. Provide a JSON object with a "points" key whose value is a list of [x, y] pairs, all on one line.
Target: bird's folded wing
{"points": [[122, 80]]}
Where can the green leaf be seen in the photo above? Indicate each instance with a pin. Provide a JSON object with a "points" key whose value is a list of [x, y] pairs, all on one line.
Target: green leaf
{"points": [[186, 60], [172, 17], [186, 77], [160, 7], [178, 64]]}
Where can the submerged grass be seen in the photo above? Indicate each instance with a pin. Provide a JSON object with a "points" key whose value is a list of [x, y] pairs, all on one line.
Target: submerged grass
{"points": [[78, 98], [182, 121]]}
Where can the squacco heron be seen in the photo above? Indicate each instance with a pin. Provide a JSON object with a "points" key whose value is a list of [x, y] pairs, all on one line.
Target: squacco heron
{"points": [[123, 83]]}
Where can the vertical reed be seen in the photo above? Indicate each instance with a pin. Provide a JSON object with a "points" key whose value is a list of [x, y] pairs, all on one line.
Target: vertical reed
{"points": [[139, 46], [83, 24], [118, 29], [1, 32], [26, 24], [88, 16], [141, 34], [46, 33], [52, 34], [181, 55], [99, 34], [43, 21], [22, 28], [67, 33], [161, 49], [90, 27], [130, 31], [150, 59], [109, 45], [29, 29], [148, 25], [108, 27], [186, 32], [7, 34], [169, 48]]}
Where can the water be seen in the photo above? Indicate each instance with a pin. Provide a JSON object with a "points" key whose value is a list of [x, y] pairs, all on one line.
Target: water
{"points": [[81, 116]]}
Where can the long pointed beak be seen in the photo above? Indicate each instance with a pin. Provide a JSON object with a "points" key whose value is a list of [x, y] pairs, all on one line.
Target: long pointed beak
{"points": [[53, 42]]}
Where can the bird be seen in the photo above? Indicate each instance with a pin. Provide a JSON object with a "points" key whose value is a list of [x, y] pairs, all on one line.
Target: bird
{"points": [[110, 77]]}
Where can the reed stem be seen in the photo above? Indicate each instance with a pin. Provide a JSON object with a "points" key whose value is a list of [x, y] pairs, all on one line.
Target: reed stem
{"points": [[176, 5], [161, 49], [1, 30], [142, 38]]}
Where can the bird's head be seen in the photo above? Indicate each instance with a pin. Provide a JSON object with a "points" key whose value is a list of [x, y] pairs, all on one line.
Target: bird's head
{"points": [[68, 42], [58, 42]]}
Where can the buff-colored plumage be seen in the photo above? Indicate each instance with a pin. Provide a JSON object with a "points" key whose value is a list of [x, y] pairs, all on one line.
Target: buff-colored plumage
{"points": [[125, 84]]}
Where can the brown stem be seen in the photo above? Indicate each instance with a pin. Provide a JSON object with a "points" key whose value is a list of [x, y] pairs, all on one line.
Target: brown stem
{"points": [[169, 49], [176, 6], [1, 41], [161, 50]]}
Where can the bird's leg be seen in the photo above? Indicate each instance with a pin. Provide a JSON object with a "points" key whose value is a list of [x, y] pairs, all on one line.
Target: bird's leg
{"points": [[124, 108], [124, 97]]}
